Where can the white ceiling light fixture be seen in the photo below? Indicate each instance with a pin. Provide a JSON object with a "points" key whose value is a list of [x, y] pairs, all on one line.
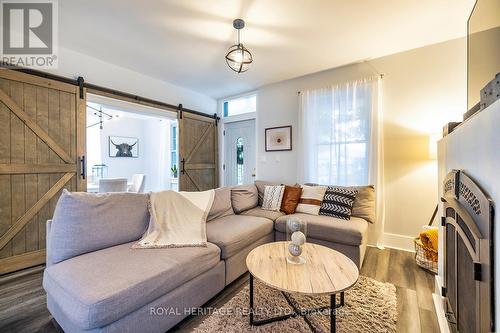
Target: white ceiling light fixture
{"points": [[238, 58]]}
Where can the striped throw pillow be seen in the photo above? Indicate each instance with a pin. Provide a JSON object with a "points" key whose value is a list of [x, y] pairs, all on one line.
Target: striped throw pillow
{"points": [[311, 199], [273, 195], [338, 202]]}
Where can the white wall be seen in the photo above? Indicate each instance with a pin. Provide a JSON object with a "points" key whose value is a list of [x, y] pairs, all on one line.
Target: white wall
{"points": [[122, 167], [154, 150], [73, 64], [422, 89]]}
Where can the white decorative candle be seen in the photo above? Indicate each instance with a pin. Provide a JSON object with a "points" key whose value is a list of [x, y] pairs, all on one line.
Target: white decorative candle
{"points": [[294, 224], [295, 250], [298, 238]]}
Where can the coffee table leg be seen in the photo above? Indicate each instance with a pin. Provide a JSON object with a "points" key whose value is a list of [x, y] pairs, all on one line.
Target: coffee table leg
{"points": [[333, 313], [251, 299]]}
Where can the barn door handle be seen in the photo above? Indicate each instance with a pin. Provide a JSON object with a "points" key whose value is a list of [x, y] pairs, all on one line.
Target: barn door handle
{"points": [[183, 162], [83, 171]]}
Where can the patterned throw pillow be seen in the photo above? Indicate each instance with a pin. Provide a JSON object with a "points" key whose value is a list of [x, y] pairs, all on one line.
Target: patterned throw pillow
{"points": [[310, 199], [272, 197], [338, 202]]}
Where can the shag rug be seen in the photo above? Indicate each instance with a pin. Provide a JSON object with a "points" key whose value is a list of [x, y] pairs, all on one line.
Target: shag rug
{"points": [[370, 306]]}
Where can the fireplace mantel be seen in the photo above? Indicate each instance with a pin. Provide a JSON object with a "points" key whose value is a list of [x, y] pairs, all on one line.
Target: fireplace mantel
{"points": [[473, 147]]}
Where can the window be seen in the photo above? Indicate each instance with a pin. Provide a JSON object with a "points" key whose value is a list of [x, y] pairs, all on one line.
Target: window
{"points": [[239, 161], [336, 124], [173, 151], [240, 105]]}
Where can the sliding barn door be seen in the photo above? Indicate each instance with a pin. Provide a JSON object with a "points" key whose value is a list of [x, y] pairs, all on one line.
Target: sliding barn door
{"points": [[197, 152], [42, 133]]}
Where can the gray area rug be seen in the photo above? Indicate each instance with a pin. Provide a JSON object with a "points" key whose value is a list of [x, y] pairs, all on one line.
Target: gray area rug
{"points": [[370, 306]]}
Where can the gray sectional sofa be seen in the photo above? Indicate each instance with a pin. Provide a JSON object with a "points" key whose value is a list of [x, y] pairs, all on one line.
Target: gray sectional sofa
{"points": [[95, 282]]}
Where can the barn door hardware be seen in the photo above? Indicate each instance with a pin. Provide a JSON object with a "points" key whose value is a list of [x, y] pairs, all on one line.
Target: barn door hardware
{"points": [[83, 171], [183, 162], [80, 81], [180, 111]]}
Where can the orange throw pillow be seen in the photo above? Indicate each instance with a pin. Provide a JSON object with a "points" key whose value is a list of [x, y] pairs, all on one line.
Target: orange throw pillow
{"points": [[291, 198]]}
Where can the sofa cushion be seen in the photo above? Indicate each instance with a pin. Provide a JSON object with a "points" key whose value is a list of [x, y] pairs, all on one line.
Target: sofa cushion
{"points": [[100, 287], [259, 212], [235, 232], [85, 222], [364, 204], [352, 232], [261, 187], [222, 204], [244, 197]]}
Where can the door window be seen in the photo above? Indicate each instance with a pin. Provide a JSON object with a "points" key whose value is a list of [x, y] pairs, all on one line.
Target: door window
{"points": [[239, 161]]}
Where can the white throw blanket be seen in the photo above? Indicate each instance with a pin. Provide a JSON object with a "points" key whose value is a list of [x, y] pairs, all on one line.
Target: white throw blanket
{"points": [[178, 219]]}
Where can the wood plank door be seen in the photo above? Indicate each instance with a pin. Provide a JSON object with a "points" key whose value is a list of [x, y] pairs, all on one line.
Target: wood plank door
{"points": [[197, 152], [42, 133]]}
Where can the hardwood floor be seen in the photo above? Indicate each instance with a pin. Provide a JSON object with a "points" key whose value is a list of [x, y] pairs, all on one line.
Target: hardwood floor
{"points": [[22, 298]]}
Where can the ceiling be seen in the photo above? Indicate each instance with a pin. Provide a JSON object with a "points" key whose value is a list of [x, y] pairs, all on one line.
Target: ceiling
{"points": [[184, 41]]}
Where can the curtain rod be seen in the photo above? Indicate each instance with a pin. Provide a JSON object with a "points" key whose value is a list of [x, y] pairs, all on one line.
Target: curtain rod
{"points": [[381, 75], [102, 89]]}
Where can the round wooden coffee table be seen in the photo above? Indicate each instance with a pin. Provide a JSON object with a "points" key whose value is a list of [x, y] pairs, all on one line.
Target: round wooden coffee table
{"points": [[325, 272]]}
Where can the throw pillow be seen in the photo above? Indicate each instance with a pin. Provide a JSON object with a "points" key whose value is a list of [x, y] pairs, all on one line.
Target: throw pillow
{"points": [[273, 195], [291, 197], [364, 204], [310, 199], [261, 186], [338, 202]]}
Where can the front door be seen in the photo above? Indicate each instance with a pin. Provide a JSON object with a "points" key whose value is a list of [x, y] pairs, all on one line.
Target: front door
{"points": [[239, 152]]}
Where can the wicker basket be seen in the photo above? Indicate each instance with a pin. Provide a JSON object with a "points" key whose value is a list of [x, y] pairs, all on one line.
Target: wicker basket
{"points": [[422, 255]]}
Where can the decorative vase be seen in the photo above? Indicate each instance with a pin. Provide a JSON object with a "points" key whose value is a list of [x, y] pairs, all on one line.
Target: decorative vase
{"points": [[296, 232]]}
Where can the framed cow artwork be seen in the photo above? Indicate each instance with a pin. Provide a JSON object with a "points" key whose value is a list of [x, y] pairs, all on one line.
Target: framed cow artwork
{"points": [[122, 146]]}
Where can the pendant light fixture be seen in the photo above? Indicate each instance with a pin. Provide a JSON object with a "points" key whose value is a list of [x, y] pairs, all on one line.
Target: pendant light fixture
{"points": [[238, 58]]}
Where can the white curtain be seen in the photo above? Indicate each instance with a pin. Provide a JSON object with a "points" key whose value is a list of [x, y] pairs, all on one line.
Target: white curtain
{"points": [[341, 129]]}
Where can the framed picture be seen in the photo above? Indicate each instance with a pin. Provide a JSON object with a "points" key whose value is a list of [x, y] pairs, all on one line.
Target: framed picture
{"points": [[122, 146], [278, 138]]}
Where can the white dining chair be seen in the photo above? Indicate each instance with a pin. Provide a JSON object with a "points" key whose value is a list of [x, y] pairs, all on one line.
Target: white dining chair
{"points": [[138, 183], [112, 185]]}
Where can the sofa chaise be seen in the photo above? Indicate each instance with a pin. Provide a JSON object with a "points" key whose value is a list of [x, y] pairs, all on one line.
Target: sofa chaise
{"points": [[95, 282]]}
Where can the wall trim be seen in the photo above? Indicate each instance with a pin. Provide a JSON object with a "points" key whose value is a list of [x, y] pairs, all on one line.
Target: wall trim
{"points": [[400, 242], [439, 306], [239, 117]]}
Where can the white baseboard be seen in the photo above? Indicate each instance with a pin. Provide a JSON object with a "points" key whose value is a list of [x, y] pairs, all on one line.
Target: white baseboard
{"points": [[439, 306], [400, 242]]}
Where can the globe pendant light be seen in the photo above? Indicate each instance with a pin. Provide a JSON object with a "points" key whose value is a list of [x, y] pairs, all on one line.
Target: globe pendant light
{"points": [[238, 58]]}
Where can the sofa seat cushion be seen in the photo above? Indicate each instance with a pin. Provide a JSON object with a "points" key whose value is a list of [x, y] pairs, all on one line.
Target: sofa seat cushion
{"points": [[235, 232], [332, 229], [100, 287], [259, 212]]}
